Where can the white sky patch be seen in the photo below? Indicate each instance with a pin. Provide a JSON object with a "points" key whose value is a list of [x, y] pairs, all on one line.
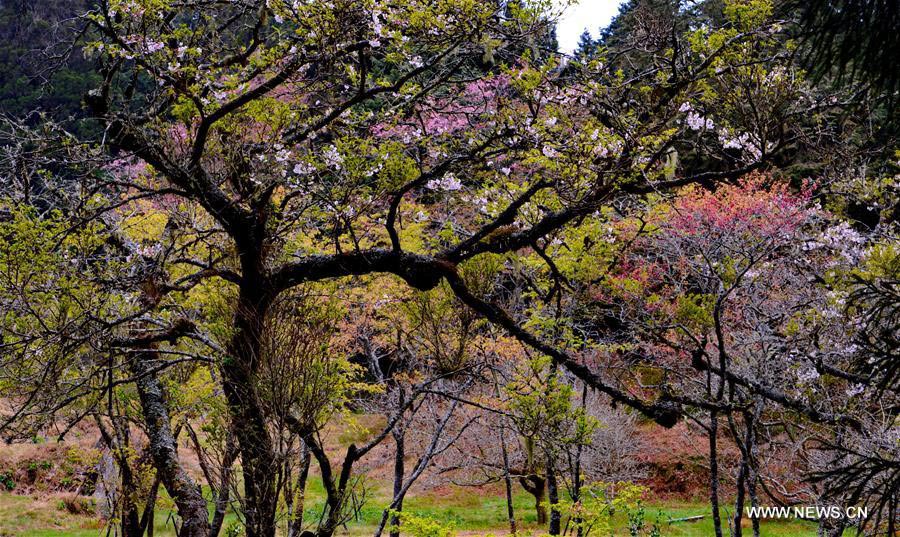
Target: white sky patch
{"points": [[586, 14]]}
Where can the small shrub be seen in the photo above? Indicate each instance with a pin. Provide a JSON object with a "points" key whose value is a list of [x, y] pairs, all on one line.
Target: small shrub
{"points": [[235, 529], [419, 526], [600, 502], [7, 481], [77, 505]]}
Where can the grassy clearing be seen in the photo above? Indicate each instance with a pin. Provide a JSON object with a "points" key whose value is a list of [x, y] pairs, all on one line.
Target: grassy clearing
{"points": [[469, 511], [24, 515]]}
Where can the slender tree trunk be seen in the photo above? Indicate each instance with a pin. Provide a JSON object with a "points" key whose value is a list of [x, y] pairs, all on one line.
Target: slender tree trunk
{"points": [[754, 499], [164, 450], [131, 522], [829, 527], [576, 470], [892, 515], [296, 527], [335, 490], [553, 496], [714, 472], [507, 480], [540, 506], [224, 492], [752, 477], [738, 515], [737, 530], [150, 508], [118, 446], [746, 474], [399, 474], [421, 464]]}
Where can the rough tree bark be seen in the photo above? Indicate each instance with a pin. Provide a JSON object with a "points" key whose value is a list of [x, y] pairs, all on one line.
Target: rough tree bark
{"points": [[239, 373], [163, 449]]}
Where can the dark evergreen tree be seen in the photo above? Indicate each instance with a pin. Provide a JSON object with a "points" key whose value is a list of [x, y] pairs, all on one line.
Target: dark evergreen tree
{"points": [[36, 76], [851, 40], [587, 46]]}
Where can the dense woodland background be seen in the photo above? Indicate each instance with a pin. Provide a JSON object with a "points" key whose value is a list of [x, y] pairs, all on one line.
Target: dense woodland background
{"points": [[306, 268]]}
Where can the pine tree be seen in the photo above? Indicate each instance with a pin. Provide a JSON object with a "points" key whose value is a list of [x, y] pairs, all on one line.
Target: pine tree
{"points": [[587, 46]]}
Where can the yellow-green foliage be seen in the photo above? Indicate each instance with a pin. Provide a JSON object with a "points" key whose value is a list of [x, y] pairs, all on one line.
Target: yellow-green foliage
{"points": [[300, 368], [420, 526], [543, 409], [38, 268], [882, 261], [600, 502], [748, 14]]}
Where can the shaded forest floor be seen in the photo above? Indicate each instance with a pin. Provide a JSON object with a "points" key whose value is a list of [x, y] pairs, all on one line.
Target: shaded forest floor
{"points": [[470, 512]]}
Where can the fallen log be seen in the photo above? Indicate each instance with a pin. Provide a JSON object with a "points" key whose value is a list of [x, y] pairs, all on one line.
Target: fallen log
{"points": [[687, 519]]}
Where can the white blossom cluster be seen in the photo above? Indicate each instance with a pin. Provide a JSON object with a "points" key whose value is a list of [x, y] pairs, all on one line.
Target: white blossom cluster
{"points": [[447, 183]]}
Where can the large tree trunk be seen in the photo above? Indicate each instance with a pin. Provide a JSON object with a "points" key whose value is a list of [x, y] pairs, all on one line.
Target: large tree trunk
{"points": [[536, 486], [239, 373], [163, 450]]}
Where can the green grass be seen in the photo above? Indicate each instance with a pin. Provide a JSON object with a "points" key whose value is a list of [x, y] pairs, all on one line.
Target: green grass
{"points": [[23, 515], [469, 511]]}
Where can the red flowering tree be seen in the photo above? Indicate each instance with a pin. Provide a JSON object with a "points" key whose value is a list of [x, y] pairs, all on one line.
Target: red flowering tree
{"points": [[730, 297]]}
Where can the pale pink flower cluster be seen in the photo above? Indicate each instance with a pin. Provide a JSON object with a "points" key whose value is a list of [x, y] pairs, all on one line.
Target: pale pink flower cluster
{"points": [[696, 122], [129, 9], [304, 168], [333, 157]]}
